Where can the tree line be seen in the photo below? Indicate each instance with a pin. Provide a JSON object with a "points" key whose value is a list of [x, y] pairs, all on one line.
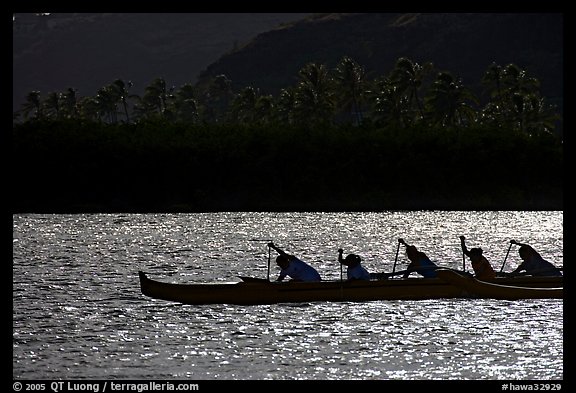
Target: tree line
{"points": [[336, 140], [411, 94]]}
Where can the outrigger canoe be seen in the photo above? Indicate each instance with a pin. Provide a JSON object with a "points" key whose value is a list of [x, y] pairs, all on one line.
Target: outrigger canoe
{"points": [[261, 291]]}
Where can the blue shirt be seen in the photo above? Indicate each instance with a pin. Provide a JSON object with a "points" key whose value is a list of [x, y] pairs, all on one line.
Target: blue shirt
{"points": [[424, 267], [298, 270], [357, 273]]}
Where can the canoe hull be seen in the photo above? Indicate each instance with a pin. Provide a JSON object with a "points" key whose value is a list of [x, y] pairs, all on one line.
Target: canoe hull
{"points": [[490, 290], [264, 292]]}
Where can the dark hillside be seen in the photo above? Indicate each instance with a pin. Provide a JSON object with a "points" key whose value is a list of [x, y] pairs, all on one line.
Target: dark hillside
{"points": [[464, 44]]}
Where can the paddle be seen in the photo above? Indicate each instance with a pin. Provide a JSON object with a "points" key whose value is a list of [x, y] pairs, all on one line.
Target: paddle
{"points": [[268, 241], [462, 238], [340, 251], [269, 251], [507, 252], [400, 241], [254, 279], [398, 273]]}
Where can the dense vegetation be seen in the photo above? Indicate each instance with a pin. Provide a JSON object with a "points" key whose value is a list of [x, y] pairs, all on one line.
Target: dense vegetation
{"points": [[413, 139], [156, 166]]}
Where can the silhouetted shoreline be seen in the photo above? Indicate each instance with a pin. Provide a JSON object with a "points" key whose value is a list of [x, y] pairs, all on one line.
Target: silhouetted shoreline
{"points": [[73, 167]]}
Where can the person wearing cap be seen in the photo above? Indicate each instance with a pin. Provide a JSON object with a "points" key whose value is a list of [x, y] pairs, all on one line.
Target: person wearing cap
{"points": [[293, 267], [482, 268], [533, 264], [419, 263], [354, 270]]}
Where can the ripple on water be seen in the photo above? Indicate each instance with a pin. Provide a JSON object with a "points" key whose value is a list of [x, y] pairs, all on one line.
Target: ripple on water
{"points": [[78, 312]]}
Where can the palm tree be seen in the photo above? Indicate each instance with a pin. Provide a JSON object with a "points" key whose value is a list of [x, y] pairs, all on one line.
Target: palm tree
{"points": [[515, 100], [350, 82], [285, 106], [122, 94], [70, 103], [264, 109], [217, 98], [107, 99], [157, 94], [89, 108], [314, 95], [492, 80], [516, 80], [448, 101], [52, 105], [540, 116], [408, 77], [532, 115], [154, 101], [244, 106], [184, 104], [32, 105], [388, 104]]}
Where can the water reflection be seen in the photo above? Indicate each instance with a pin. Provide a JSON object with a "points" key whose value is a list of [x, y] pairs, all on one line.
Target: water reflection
{"points": [[78, 312]]}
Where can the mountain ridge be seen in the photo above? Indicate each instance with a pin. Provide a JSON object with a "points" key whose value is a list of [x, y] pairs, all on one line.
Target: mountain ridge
{"points": [[87, 51], [464, 44]]}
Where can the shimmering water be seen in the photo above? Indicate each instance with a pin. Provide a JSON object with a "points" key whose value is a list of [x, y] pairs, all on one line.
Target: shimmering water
{"points": [[78, 312]]}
